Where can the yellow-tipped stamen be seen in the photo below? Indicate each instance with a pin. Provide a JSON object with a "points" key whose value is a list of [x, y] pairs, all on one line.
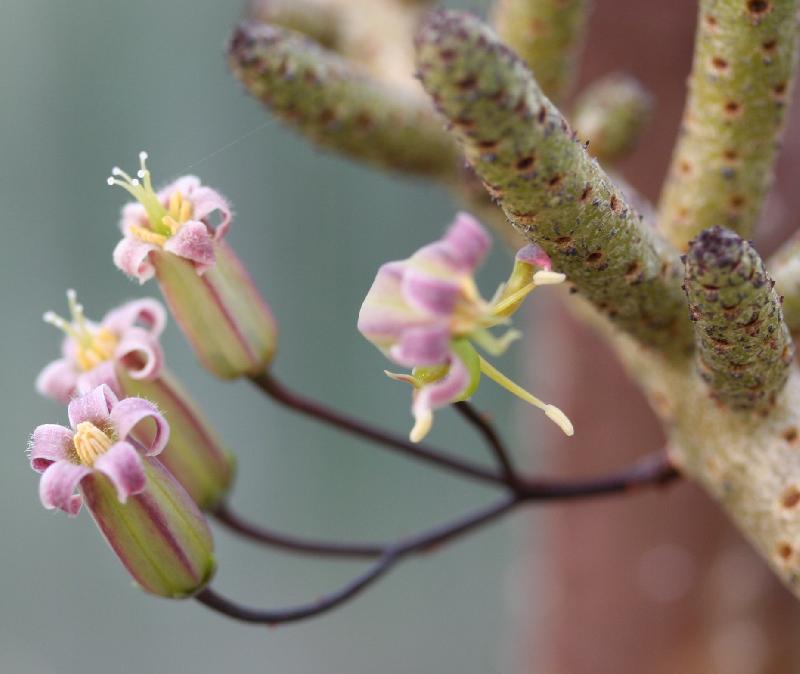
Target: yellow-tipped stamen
{"points": [[494, 346], [422, 426], [173, 224], [90, 443], [93, 345], [186, 210], [148, 236], [513, 299], [552, 412]]}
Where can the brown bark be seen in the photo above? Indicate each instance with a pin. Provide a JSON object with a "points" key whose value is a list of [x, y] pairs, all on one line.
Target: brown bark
{"points": [[656, 583]]}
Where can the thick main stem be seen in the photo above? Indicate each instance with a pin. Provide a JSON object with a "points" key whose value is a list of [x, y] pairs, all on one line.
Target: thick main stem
{"points": [[555, 194]]}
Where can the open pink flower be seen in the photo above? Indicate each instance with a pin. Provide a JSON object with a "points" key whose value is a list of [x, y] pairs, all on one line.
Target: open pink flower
{"points": [[126, 337], [98, 441], [176, 219], [170, 234], [426, 312]]}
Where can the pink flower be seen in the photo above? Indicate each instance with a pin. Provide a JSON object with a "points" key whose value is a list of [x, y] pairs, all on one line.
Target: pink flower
{"points": [[176, 219], [97, 442], [426, 313], [169, 234], [123, 352], [126, 337]]}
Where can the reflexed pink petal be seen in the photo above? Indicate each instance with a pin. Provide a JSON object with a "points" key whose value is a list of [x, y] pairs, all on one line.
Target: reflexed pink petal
{"points": [[94, 406], [428, 293], [194, 243], [58, 380], [104, 373], [149, 357], [422, 346], [444, 391], [58, 483], [49, 443], [185, 185], [123, 466], [204, 202], [533, 255], [469, 240], [148, 313], [129, 412], [132, 256]]}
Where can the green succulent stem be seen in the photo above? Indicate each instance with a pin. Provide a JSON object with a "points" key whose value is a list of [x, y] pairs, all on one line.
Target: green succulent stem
{"points": [[744, 348], [739, 89], [785, 269], [547, 35], [338, 106], [610, 114], [553, 192], [318, 19]]}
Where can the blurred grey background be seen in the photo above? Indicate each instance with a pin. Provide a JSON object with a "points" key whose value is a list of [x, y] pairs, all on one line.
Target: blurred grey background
{"points": [[86, 85]]}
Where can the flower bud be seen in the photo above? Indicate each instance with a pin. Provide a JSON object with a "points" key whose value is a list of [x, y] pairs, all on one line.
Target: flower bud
{"points": [[168, 234]]}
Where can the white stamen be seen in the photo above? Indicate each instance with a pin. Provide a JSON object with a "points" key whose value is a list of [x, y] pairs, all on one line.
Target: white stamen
{"points": [[135, 182], [556, 415], [141, 174], [116, 171], [548, 278], [110, 181], [143, 156]]}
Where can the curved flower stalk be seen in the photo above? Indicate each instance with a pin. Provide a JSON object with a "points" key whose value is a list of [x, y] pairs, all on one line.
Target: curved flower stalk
{"points": [[168, 234], [124, 353], [145, 515], [426, 313]]}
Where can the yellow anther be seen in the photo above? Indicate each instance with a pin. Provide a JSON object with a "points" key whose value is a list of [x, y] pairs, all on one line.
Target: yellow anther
{"points": [[173, 224], [175, 203], [186, 211], [147, 236], [90, 443], [97, 348]]}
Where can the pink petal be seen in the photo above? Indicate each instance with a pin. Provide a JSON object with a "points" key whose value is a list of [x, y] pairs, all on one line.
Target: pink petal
{"points": [[58, 483], [533, 255], [468, 240], [429, 293], [444, 391], [128, 413], [94, 406], [49, 443], [58, 380], [133, 215], [132, 256], [147, 312], [104, 373], [422, 346], [204, 202], [194, 243], [185, 185], [123, 466], [140, 353]]}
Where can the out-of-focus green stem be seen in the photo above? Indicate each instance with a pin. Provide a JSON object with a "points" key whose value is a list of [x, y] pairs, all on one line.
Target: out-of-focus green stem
{"points": [[547, 35], [338, 106], [739, 89], [611, 115]]}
